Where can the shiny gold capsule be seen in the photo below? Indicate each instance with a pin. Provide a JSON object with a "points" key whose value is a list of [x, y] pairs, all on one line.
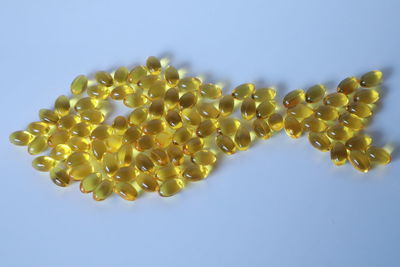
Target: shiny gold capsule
{"points": [[79, 172], [359, 160], [92, 116], [157, 89], [248, 108], [21, 138], [98, 91], [171, 76], [86, 103], [147, 81], [60, 177], [193, 145], [210, 90], [90, 182], [153, 127], [120, 92], [326, 113], [171, 98], [104, 78], [59, 136], [159, 156], [62, 106], [181, 136], [77, 158], [263, 94], [145, 142], [314, 124], [194, 173], [359, 109], [243, 138], [293, 98], [300, 111], [173, 119], [157, 108], [43, 163], [351, 121], [103, 190], [338, 154], [101, 132], [261, 129], [126, 191], [121, 75], [187, 100], [79, 84], [163, 139], [367, 96], [138, 116], [61, 152], [98, 148], [293, 127], [265, 109], [175, 154], [243, 91], [38, 145], [204, 157], [114, 142], [320, 141], [38, 128], [132, 134], [339, 132], [348, 85], [275, 122], [136, 74], [315, 93], [359, 142], [144, 163], [48, 116], [68, 122], [208, 110], [336, 100], [226, 105], [153, 65], [166, 172], [125, 174], [171, 187], [189, 84], [225, 144], [228, 126], [191, 116], [147, 182], [125, 155], [135, 100], [378, 155], [119, 125], [205, 128], [110, 163], [371, 79]]}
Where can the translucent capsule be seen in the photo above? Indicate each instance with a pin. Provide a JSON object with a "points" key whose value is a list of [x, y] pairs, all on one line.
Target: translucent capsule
{"points": [[263, 94], [120, 92], [38, 145], [126, 191], [194, 173], [136, 74], [181, 136], [166, 172], [38, 128], [98, 148], [243, 91], [210, 90], [261, 129], [77, 158], [104, 78], [359, 160], [48, 116], [204, 157], [367, 96], [110, 163], [135, 100], [293, 127], [226, 105], [153, 65], [79, 172], [171, 76], [114, 142], [208, 110], [61, 152], [187, 100], [60, 177], [189, 84], [85, 103], [90, 182], [68, 122], [162, 139], [125, 174], [275, 122], [125, 155], [98, 91], [157, 89], [225, 144], [359, 142], [171, 98], [315, 93], [147, 81], [92, 116], [103, 190], [79, 84], [173, 119], [338, 154], [265, 109], [205, 128], [336, 100], [378, 155], [351, 121], [21, 138], [132, 134], [153, 127], [62, 106], [248, 108], [145, 142], [348, 85], [339, 132], [119, 125], [359, 109], [121, 75], [175, 154], [101, 132], [293, 98], [228, 125], [159, 156], [326, 113], [191, 116], [144, 163], [147, 182], [300, 111], [320, 141], [138, 116], [43, 163], [371, 79], [59, 136], [243, 138], [314, 124], [193, 145], [171, 187]]}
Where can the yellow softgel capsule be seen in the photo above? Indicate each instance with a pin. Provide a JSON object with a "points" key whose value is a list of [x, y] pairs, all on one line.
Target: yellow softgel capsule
{"points": [[243, 91], [191, 116], [121, 75], [359, 160], [338, 154], [157, 89], [275, 122], [62, 106], [104, 78], [38, 145], [205, 128], [359, 142], [225, 144], [248, 108], [79, 172], [182, 135], [77, 143], [351, 121], [243, 138], [136, 74], [68, 121], [228, 125], [171, 187], [326, 113], [138, 116], [194, 173], [157, 108], [371, 79], [101, 132], [367, 96], [153, 64], [135, 100], [348, 85], [174, 119], [263, 94], [378, 155], [125, 191], [320, 141], [339, 132], [86, 103], [103, 190], [293, 98], [159, 156], [265, 109], [145, 142], [175, 155], [21, 138], [60, 152], [153, 127], [315, 93], [171, 76], [166, 172], [38, 128], [48, 116], [314, 124], [132, 134], [110, 163], [226, 105], [98, 91], [171, 98], [92, 116], [204, 157], [359, 109], [210, 90], [147, 182], [43, 163], [300, 111], [208, 110], [144, 163], [125, 174], [125, 155], [189, 84], [79, 84], [193, 145], [336, 100], [77, 158], [119, 125], [60, 177], [90, 182], [261, 129], [293, 127], [163, 139], [59, 136], [187, 100], [147, 81], [121, 91]]}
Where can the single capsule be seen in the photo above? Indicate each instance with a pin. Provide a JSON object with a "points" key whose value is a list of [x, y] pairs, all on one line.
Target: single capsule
{"points": [[248, 108], [226, 105], [21, 138], [243, 138], [147, 182], [159, 156], [147, 81], [359, 142], [77, 158], [138, 116], [126, 191], [171, 98], [228, 126], [38, 145], [136, 74], [61, 152], [135, 100], [275, 122], [339, 132], [43, 163], [175, 155], [261, 129], [293, 98], [90, 182], [153, 65], [210, 90], [300, 111], [121, 75], [104, 78], [243, 91], [171, 76], [348, 85], [153, 127], [101, 132], [359, 109], [359, 160], [92, 116], [119, 125], [181, 136], [265, 109], [48, 116], [125, 174], [132, 134], [191, 116], [98, 148], [163, 139], [38, 128], [171, 187], [371, 79], [378, 155], [144, 163], [79, 172], [59, 136], [313, 124], [187, 100], [68, 122], [366, 96], [60, 177], [79, 84], [293, 127], [173, 119], [189, 84], [120, 92], [208, 110], [114, 142], [336, 100], [320, 141], [103, 190], [204, 157], [110, 163], [326, 113], [166, 172], [145, 142], [225, 144], [263, 94], [193, 145], [98, 91], [86, 103], [315, 93], [157, 89], [62, 106], [194, 173], [338, 154], [351, 121], [125, 155], [205, 128]]}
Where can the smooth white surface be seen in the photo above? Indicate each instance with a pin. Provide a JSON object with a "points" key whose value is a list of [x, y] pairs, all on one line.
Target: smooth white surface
{"points": [[282, 203]]}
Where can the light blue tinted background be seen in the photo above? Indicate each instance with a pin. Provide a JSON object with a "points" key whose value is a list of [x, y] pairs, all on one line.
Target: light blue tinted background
{"points": [[282, 203]]}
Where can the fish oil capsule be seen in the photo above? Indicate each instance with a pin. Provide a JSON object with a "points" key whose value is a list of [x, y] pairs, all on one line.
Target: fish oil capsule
{"points": [[147, 81], [125, 155], [248, 108], [181, 136], [120, 124], [153, 65], [144, 163], [226, 105], [159, 156], [59, 136], [163, 139], [209, 90], [121, 75], [138, 116], [336, 100], [228, 125], [326, 113], [103, 190], [68, 122], [114, 142], [101, 132], [338, 154], [193, 145], [79, 84], [371, 79], [77, 158], [126, 191], [293, 98], [339, 132], [351, 121], [359, 142], [62, 106], [92, 116], [204, 157], [110, 163], [243, 91], [60, 177], [225, 144], [132, 134], [315, 93], [86, 103], [38, 145], [189, 84], [265, 108], [90, 182], [21, 138], [191, 116], [171, 76], [348, 85], [366, 96], [275, 122], [77, 173], [98, 91], [157, 89], [300, 111], [147, 182], [242, 138], [48, 116], [194, 173], [98, 148], [187, 100], [205, 128], [320, 141], [293, 127], [171, 98], [61, 152], [359, 109], [120, 92], [173, 119], [104, 78], [208, 110], [125, 174], [171, 187], [136, 74], [359, 160], [167, 172], [43, 163], [77, 143], [261, 129], [175, 155], [38, 128], [378, 155], [145, 142], [153, 127], [135, 100], [313, 124], [263, 94]]}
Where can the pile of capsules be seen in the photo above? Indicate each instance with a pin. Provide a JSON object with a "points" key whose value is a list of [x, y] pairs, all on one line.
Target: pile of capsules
{"points": [[178, 127]]}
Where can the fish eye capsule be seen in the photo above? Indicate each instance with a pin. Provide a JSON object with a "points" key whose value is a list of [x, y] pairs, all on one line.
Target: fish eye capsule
{"points": [[147, 81], [293, 98], [77, 173], [225, 144], [359, 142], [359, 109], [338, 154], [21, 138], [359, 160], [263, 94], [144, 163], [208, 110], [261, 129], [366, 96], [43, 163], [145, 142], [48, 116], [171, 98], [157, 89], [103, 190], [228, 126], [159, 156], [147, 182], [181, 136], [121, 75], [243, 138], [135, 100], [125, 174], [371, 79], [156, 108], [275, 122], [378, 155], [92, 116], [153, 127], [104, 78], [189, 84], [77, 143], [193, 145], [293, 127], [348, 85], [125, 155], [194, 173], [138, 116], [265, 109], [351, 121], [187, 100], [243, 91], [300, 111], [126, 191], [173, 119], [90, 182], [38, 128], [210, 91], [320, 141], [204, 157], [205, 128], [114, 142], [59, 136], [315, 93], [98, 91], [248, 108], [77, 158], [175, 154], [79, 84], [68, 122], [121, 91], [336, 100], [171, 76], [38, 145], [60, 177], [136, 74], [132, 134], [314, 124], [101, 132], [119, 125], [191, 116], [98, 148], [226, 105], [62, 106], [171, 187], [61, 152], [339, 132], [110, 163], [153, 65], [326, 113], [86, 103], [167, 172]]}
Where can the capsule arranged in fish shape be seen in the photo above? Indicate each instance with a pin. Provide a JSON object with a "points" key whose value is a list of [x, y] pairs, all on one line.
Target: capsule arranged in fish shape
{"points": [[371, 79]]}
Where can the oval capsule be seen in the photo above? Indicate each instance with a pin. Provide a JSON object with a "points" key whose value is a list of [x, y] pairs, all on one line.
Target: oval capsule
{"points": [[336, 100], [293, 98], [98, 91], [300, 111], [189, 84], [153, 64], [228, 125], [243, 91], [62, 106], [21, 138], [93, 116], [159, 156], [138, 116], [191, 116], [248, 108], [359, 142], [338, 154], [157, 89], [145, 142], [339, 132], [135, 100], [226, 105], [293, 127], [166, 172], [103, 190], [320, 141], [314, 124], [79, 84], [125, 174], [315, 93], [359, 160], [48, 116], [205, 128], [38, 145], [82, 129], [261, 129], [359, 109], [173, 119], [110, 163], [378, 155], [171, 187], [157, 108], [171, 76], [121, 75], [225, 144], [121, 91], [204, 157], [86, 103], [125, 191], [104, 78], [187, 100], [59, 136], [147, 182], [263, 94], [38, 128], [208, 110], [98, 148], [144, 163], [348, 85], [77, 158], [351, 121], [194, 173], [154, 126], [209, 90], [243, 138], [90, 182], [265, 109], [193, 145], [175, 154], [367, 96], [136, 74], [275, 121], [371, 79], [61, 152], [60, 177], [326, 113], [181, 136], [171, 98], [79, 172], [43, 163], [125, 155]]}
